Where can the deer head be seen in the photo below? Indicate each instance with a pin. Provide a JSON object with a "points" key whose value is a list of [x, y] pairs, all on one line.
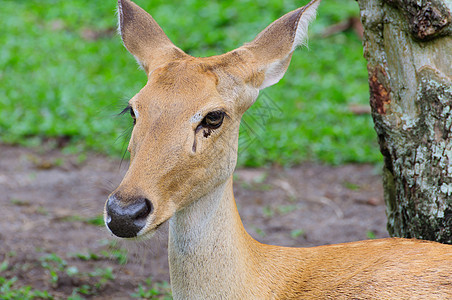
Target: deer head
{"points": [[187, 116]]}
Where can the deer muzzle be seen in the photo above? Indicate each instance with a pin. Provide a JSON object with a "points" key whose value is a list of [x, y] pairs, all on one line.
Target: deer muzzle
{"points": [[126, 219]]}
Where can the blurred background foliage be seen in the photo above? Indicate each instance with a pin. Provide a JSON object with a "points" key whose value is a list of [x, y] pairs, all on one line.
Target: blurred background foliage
{"points": [[64, 76]]}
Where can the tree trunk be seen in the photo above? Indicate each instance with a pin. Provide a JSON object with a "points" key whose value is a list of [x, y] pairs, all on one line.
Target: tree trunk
{"points": [[408, 47]]}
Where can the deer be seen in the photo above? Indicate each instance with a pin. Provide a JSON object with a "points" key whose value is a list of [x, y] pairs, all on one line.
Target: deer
{"points": [[183, 152]]}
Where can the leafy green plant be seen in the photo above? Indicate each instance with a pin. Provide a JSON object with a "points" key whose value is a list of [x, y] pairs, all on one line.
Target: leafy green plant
{"points": [[259, 231], [285, 209], [95, 280], [351, 186], [53, 264], [103, 275], [9, 291], [19, 202], [4, 265], [87, 256], [75, 295], [153, 290], [97, 221], [268, 211], [371, 235], [115, 252], [296, 233]]}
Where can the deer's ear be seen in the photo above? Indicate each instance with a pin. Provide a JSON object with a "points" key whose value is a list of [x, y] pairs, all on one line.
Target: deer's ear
{"points": [[272, 49], [144, 38]]}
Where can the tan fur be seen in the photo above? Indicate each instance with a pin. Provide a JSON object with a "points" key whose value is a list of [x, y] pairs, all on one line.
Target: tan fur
{"points": [[187, 175]]}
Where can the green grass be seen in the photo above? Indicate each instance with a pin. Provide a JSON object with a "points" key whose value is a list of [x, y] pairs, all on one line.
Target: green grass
{"points": [[153, 290], [9, 291], [58, 84], [85, 283]]}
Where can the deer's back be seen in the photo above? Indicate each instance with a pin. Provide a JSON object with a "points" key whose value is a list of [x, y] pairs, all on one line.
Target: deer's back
{"points": [[390, 268]]}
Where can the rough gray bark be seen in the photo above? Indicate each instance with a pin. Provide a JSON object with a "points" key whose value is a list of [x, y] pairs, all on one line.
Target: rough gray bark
{"points": [[408, 47]]}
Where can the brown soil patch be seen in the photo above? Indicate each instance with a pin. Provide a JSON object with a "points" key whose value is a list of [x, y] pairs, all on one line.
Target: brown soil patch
{"points": [[48, 201]]}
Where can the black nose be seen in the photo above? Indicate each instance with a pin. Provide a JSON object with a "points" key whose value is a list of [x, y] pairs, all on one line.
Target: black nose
{"points": [[126, 220]]}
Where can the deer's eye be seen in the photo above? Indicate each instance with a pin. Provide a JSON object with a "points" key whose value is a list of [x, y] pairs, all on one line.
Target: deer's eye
{"points": [[132, 114], [213, 120], [130, 110]]}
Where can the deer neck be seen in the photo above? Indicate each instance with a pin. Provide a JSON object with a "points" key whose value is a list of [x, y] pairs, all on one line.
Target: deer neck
{"points": [[208, 245]]}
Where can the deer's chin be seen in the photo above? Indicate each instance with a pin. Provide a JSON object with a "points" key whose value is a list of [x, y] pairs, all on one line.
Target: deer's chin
{"points": [[148, 231]]}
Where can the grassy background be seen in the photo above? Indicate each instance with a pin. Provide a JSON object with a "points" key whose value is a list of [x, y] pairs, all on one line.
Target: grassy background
{"points": [[64, 74]]}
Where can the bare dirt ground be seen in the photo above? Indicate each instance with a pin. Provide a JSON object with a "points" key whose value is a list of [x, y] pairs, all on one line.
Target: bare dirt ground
{"points": [[49, 202]]}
